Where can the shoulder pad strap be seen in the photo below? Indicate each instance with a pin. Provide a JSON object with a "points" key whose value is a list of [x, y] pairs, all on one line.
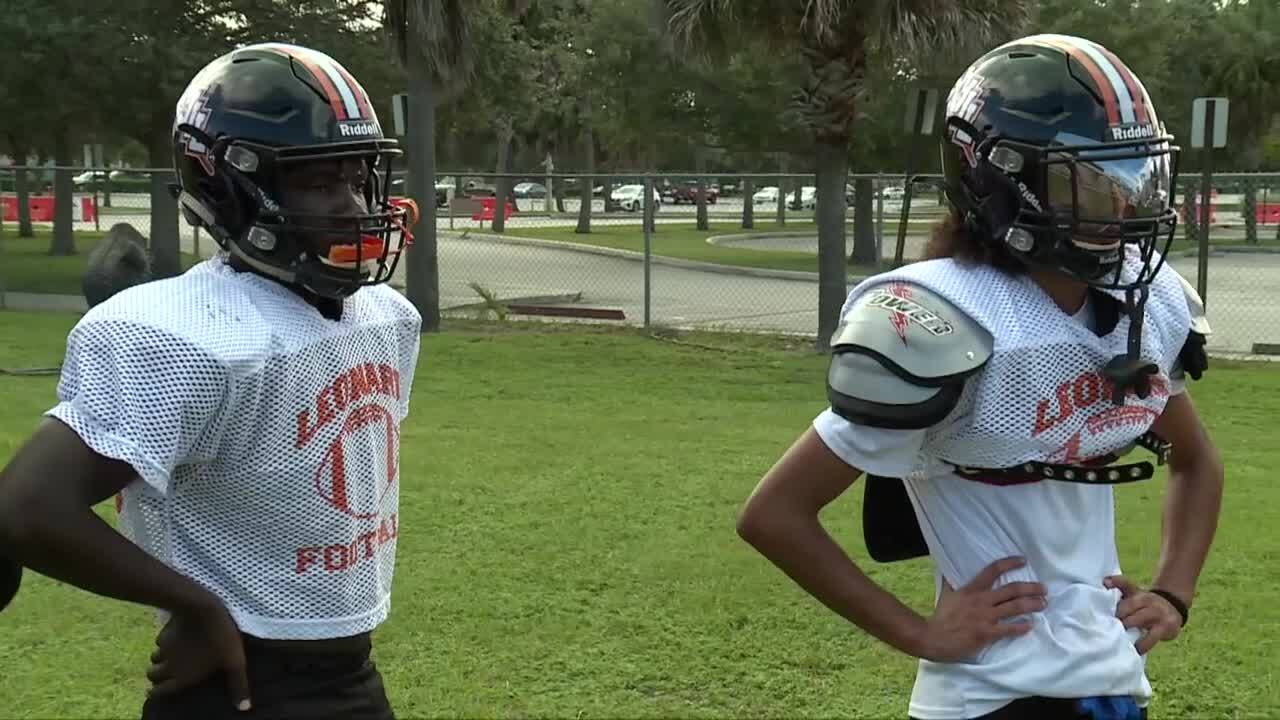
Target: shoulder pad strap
{"points": [[1192, 359], [901, 355], [1199, 321]]}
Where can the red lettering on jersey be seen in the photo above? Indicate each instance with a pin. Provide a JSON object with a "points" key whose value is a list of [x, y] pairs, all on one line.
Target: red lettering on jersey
{"points": [[1086, 390], [305, 557], [335, 558], [1082, 393], [351, 386], [344, 556]]}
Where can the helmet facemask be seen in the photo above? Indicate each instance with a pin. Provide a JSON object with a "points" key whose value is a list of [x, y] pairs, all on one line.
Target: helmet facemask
{"points": [[1098, 203], [1080, 207], [329, 254]]}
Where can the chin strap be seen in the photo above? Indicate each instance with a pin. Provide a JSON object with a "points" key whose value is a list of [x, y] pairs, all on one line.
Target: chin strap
{"points": [[1129, 371]]}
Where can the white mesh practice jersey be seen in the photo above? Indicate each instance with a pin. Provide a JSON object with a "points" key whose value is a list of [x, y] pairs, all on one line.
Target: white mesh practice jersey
{"points": [[265, 436], [1041, 398]]}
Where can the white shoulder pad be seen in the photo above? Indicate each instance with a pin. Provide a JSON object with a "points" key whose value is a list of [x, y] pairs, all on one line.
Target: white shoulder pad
{"points": [[900, 358], [1199, 321]]}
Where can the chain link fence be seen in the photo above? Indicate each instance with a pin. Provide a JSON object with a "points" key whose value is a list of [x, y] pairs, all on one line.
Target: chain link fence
{"points": [[718, 251]]}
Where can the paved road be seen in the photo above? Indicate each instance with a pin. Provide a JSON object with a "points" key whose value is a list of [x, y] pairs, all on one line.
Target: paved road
{"points": [[1242, 296]]}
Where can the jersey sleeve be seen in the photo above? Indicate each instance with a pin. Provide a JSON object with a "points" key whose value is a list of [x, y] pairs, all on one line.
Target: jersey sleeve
{"points": [[141, 394], [873, 450]]}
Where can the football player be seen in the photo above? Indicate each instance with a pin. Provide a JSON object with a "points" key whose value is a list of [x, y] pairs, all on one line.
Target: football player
{"points": [[246, 413], [989, 393]]}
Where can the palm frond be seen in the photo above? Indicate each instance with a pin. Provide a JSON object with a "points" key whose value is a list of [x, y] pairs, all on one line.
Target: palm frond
{"points": [[965, 26], [438, 31]]}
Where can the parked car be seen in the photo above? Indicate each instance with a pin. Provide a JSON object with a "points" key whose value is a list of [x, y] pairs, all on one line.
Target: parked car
{"points": [[530, 190], [631, 197], [687, 192], [765, 195]]}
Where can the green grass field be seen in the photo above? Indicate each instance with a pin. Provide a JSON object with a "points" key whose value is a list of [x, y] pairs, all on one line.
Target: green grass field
{"points": [[27, 266], [567, 544]]}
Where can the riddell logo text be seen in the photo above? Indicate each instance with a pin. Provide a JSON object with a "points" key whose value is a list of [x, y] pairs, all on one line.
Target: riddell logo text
{"points": [[336, 558], [363, 129], [1133, 132], [1080, 394]]}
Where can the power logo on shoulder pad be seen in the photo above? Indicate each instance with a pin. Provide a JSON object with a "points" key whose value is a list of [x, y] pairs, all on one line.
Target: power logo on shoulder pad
{"points": [[904, 310]]}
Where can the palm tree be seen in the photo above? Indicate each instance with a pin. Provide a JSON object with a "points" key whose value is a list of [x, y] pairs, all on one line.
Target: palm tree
{"points": [[432, 41], [835, 38], [1244, 68]]}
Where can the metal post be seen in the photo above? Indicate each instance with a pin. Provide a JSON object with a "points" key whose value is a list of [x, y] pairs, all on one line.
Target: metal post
{"points": [[879, 222], [648, 239], [1202, 279]]}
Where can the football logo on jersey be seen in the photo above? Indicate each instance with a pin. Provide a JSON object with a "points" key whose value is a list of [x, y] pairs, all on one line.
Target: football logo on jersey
{"points": [[1081, 395], [366, 424]]}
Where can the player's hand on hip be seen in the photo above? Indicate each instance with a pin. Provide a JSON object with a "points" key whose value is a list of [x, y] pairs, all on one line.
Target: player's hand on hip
{"points": [[971, 618], [1155, 616], [194, 645]]}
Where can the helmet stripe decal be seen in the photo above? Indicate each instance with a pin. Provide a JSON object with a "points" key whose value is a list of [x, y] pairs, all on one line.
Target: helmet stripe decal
{"points": [[308, 60], [1109, 97], [344, 90], [362, 97], [1117, 83], [1136, 91]]}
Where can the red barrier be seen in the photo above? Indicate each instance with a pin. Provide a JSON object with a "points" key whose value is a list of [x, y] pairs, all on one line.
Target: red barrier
{"points": [[487, 204], [41, 206], [1268, 213]]}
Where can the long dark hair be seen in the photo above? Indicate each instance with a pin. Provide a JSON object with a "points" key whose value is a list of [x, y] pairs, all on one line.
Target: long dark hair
{"points": [[952, 237]]}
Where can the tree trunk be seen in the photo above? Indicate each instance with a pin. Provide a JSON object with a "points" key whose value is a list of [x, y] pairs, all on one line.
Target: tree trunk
{"points": [[422, 265], [1191, 212], [501, 184], [164, 238], [20, 154], [63, 242], [783, 163], [700, 164], [748, 204], [832, 172], [105, 183], [1250, 211], [584, 207], [864, 229]]}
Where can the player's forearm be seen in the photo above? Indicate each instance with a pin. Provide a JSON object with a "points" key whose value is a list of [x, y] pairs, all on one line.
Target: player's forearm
{"points": [[76, 546], [1192, 502], [801, 548]]}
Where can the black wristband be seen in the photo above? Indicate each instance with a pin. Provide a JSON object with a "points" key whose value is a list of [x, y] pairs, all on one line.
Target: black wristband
{"points": [[1175, 601]]}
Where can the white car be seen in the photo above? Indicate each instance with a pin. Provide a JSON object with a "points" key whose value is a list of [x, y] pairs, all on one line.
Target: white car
{"points": [[631, 197], [764, 195]]}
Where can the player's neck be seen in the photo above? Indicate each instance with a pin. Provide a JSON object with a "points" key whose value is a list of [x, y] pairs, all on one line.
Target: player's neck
{"points": [[1067, 293], [329, 307]]}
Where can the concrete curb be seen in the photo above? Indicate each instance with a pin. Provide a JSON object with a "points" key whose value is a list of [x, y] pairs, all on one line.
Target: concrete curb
{"points": [[42, 302], [655, 259], [781, 234], [1230, 250]]}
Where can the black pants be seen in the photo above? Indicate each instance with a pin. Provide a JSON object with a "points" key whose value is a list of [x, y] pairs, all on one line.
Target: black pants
{"points": [[1041, 708], [286, 684]]}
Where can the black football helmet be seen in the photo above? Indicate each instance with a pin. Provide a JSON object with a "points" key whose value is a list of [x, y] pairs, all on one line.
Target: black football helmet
{"points": [[257, 109], [1053, 148]]}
